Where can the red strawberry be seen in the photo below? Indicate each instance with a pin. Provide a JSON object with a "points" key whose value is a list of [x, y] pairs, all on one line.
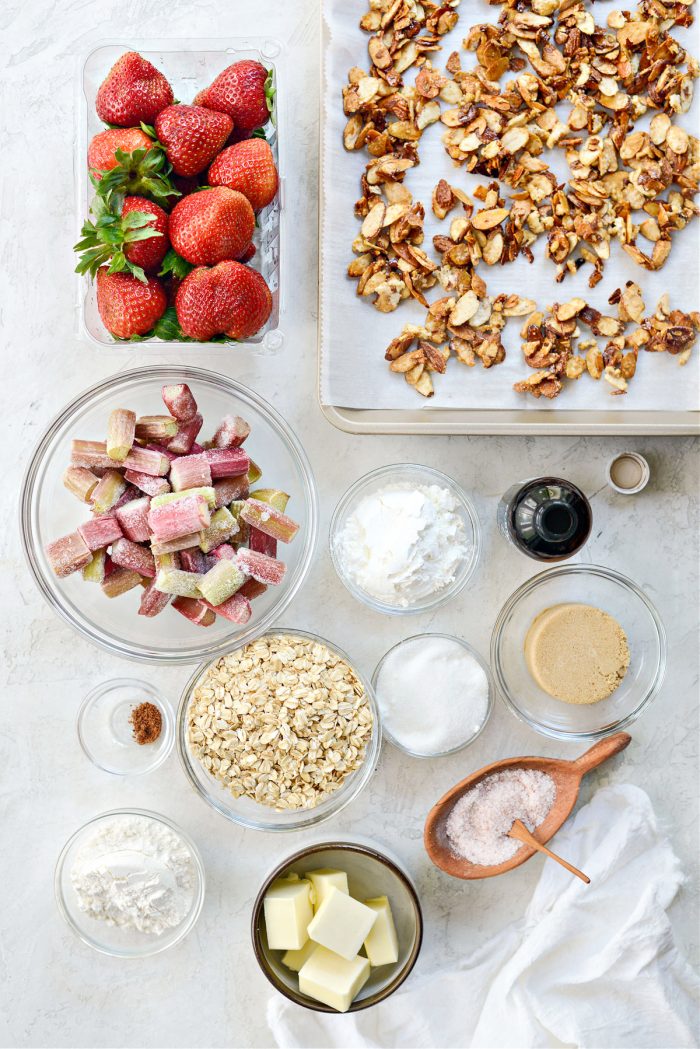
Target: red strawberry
{"points": [[247, 254], [244, 91], [105, 144], [150, 252], [128, 307], [133, 91], [192, 136], [248, 167], [211, 225], [229, 299]]}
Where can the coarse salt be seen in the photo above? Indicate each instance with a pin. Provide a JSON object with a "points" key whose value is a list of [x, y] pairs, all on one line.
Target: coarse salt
{"points": [[433, 694], [478, 825]]}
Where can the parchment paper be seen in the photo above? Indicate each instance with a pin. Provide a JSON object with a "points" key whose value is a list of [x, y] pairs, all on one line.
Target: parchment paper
{"points": [[354, 334]]}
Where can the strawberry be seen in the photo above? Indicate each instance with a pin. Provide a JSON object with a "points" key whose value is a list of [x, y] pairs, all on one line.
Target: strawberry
{"points": [[248, 167], [128, 307], [229, 299], [244, 91], [192, 136], [134, 240], [102, 149], [133, 91], [211, 225]]}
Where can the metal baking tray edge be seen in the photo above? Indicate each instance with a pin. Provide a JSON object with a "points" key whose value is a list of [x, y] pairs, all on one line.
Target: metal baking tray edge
{"points": [[505, 421]]}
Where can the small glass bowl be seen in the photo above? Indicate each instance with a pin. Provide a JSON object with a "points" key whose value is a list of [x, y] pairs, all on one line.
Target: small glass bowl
{"points": [[106, 735], [408, 474], [489, 706], [614, 594], [108, 939], [249, 813], [48, 511]]}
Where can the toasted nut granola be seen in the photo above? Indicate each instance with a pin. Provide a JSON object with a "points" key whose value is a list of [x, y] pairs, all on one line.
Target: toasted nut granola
{"points": [[283, 721]]}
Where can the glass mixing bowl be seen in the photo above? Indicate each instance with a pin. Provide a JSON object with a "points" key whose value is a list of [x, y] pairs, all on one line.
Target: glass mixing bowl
{"points": [[614, 594], [48, 511], [250, 813]]}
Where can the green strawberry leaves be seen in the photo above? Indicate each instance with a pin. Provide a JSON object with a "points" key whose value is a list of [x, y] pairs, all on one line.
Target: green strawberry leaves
{"points": [[143, 172], [270, 93], [175, 265], [104, 240]]}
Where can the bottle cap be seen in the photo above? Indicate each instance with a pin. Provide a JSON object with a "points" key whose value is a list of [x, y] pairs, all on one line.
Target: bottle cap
{"points": [[628, 473]]}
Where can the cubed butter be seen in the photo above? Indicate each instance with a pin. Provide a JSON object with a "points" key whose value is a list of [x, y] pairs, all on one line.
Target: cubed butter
{"points": [[341, 923], [288, 912], [322, 880], [333, 980], [295, 959], [382, 944]]}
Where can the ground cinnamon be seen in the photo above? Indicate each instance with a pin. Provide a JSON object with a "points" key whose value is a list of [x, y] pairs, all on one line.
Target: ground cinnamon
{"points": [[147, 722]]}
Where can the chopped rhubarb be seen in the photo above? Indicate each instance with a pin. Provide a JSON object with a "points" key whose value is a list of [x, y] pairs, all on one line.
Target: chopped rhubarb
{"points": [[108, 491], [179, 401], [265, 569], [174, 545], [94, 572], [175, 581], [130, 493], [196, 611], [147, 482], [133, 518], [221, 527], [261, 543], [156, 427], [224, 552], [120, 433], [221, 582], [206, 491], [254, 473], [148, 461], [227, 462], [232, 432], [183, 441], [190, 471], [272, 496], [68, 554], [92, 455], [131, 555], [270, 521], [80, 482], [153, 601], [175, 519], [251, 589], [243, 533], [119, 581], [152, 447], [195, 561], [236, 608], [99, 532], [230, 489]]}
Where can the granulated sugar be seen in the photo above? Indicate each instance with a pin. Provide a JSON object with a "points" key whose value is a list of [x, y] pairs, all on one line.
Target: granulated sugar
{"points": [[478, 825]]}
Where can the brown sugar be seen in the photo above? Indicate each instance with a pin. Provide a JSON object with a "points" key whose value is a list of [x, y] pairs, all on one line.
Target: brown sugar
{"points": [[147, 722]]}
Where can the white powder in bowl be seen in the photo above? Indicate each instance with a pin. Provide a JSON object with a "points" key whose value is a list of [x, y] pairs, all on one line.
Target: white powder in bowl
{"points": [[433, 694], [403, 543], [478, 825]]}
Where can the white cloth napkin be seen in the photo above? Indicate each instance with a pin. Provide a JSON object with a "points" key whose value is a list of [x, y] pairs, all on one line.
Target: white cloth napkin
{"points": [[587, 966]]}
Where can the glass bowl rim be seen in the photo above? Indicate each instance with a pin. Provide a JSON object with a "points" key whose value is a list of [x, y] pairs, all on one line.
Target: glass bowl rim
{"points": [[300, 819], [186, 926], [532, 584], [489, 705], [441, 596], [82, 625], [168, 729], [373, 853]]}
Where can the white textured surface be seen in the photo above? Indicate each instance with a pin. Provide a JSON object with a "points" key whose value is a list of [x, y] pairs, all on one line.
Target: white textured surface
{"points": [[208, 992]]}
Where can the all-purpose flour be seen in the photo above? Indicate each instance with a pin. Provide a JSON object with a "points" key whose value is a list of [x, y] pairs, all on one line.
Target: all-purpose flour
{"points": [[135, 873]]}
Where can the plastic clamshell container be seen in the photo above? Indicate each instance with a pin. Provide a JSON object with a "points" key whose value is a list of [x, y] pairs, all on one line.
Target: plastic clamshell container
{"points": [[190, 66]]}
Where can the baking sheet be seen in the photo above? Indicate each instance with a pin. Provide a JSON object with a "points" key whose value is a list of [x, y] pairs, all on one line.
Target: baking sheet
{"points": [[353, 335]]}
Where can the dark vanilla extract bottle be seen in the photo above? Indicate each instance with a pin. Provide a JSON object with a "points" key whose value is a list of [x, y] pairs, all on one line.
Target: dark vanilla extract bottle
{"points": [[547, 518]]}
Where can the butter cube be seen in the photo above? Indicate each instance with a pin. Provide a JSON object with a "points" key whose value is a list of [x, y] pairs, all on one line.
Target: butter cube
{"points": [[288, 912], [322, 880], [295, 959], [333, 980], [382, 944], [341, 924]]}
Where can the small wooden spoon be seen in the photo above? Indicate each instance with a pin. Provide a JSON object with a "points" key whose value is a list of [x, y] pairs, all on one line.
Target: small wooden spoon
{"points": [[567, 776], [520, 831]]}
